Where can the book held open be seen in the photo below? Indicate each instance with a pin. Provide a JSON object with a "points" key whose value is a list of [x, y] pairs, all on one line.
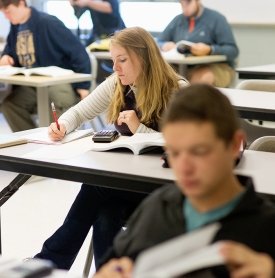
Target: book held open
{"points": [[52, 71], [137, 143], [180, 255]]}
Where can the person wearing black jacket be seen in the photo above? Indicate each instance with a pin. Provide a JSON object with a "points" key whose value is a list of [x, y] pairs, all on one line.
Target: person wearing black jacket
{"points": [[203, 139]]}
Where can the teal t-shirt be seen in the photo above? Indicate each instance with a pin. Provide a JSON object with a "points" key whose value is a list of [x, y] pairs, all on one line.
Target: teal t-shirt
{"points": [[195, 219]]}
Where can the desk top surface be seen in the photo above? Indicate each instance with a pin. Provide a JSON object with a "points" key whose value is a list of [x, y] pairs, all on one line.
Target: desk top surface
{"points": [[270, 68], [176, 58], [138, 171], [251, 100], [43, 81]]}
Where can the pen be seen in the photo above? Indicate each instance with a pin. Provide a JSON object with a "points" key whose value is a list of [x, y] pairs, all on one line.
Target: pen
{"points": [[54, 116]]}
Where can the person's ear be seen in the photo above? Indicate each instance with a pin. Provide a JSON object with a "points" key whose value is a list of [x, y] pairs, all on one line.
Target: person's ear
{"points": [[238, 142]]}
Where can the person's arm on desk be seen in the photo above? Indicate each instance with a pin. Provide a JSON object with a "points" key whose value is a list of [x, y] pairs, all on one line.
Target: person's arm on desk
{"points": [[6, 60]]}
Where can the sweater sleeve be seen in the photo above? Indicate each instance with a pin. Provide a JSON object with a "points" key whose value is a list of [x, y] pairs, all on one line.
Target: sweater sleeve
{"points": [[64, 41], [91, 106], [224, 40]]}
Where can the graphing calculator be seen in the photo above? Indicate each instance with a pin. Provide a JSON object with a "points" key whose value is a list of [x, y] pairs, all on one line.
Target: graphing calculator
{"points": [[105, 136]]}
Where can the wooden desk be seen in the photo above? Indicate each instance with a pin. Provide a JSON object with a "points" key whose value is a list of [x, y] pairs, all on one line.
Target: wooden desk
{"points": [[257, 72], [41, 83], [176, 58], [252, 104]]}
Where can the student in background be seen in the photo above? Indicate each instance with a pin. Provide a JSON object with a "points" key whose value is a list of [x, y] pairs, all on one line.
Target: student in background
{"points": [[134, 97], [105, 16], [203, 139], [211, 34], [37, 39]]}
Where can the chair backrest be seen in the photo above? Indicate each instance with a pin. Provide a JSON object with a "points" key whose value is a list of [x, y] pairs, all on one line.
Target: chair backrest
{"points": [[94, 65], [264, 144], [253, 131], [257, 85]]}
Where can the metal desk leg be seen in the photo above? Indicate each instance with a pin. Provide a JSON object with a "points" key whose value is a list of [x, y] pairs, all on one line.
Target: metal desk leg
{"points": [[8, 191], [182, 69], [43, 106]]}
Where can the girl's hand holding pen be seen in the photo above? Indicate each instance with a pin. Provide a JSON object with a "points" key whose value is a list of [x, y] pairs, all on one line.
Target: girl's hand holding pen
{"points": [[56, 134]]}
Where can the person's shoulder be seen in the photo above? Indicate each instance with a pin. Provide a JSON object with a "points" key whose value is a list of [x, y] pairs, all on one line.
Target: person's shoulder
{"points": [[213, 13], [169, 193], [45, 18]]}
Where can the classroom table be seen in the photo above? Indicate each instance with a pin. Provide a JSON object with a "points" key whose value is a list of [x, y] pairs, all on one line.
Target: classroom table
{"points": [[174, 58], [257, 72], [119, 170], [41, 83], [258, 105]]}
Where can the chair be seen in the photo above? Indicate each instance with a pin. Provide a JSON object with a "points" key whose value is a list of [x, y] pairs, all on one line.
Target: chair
{"points": [[264, 144], [256, 131]]}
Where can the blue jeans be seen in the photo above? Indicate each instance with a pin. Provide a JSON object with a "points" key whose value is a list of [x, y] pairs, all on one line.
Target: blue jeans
{"points": [[103, 208]]}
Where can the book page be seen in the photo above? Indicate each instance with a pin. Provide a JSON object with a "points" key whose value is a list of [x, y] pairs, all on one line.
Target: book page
{"points": [[184, 42], [170, 251], [7, 140], [49, 71], [42, 137], [10, 70], [135, 143], [172, 54], [61, 151]]}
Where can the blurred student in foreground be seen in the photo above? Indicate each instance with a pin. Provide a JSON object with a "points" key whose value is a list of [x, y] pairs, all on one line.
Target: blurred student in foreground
{"points": [[203, 139]]}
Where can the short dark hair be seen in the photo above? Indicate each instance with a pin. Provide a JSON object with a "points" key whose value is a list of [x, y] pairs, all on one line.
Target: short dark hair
{"points": [[203, 103], [6, 3]]}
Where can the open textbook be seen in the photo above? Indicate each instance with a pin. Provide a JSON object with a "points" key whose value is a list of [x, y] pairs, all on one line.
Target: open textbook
{"points": [[52, 71], [137, 143], [40, 136], [184, 42], [181, 255]]}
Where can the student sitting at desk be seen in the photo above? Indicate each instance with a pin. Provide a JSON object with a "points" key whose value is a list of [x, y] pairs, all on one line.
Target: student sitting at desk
{"points": [[203, 138], [134, 97], [211, 34], [37, 39]]}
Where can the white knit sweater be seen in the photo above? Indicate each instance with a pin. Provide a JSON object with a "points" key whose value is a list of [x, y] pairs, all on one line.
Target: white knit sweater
{"points": [[96, 103]]}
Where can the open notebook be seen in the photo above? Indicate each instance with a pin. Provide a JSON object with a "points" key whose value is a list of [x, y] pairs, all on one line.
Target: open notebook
{"points": [[180, 255], [40, 136]]}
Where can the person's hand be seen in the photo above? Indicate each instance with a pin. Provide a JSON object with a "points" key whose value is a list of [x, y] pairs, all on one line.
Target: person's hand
{"points": [[54, 133], [116, 268], [83, 93], [168, 46], [6, 60], [244, 262], [130, 118], [200, 49]]}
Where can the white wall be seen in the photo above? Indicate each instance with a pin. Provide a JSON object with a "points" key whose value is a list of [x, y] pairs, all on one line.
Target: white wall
{"points": [[4, 26], [245, 11]]}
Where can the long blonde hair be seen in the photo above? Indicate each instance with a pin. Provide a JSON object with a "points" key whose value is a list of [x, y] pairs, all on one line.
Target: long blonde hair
{"points": [[156, 82]]}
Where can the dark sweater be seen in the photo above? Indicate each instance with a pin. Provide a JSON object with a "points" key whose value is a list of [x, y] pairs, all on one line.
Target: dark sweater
{"points": [[54, 45], [160, 217]]}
